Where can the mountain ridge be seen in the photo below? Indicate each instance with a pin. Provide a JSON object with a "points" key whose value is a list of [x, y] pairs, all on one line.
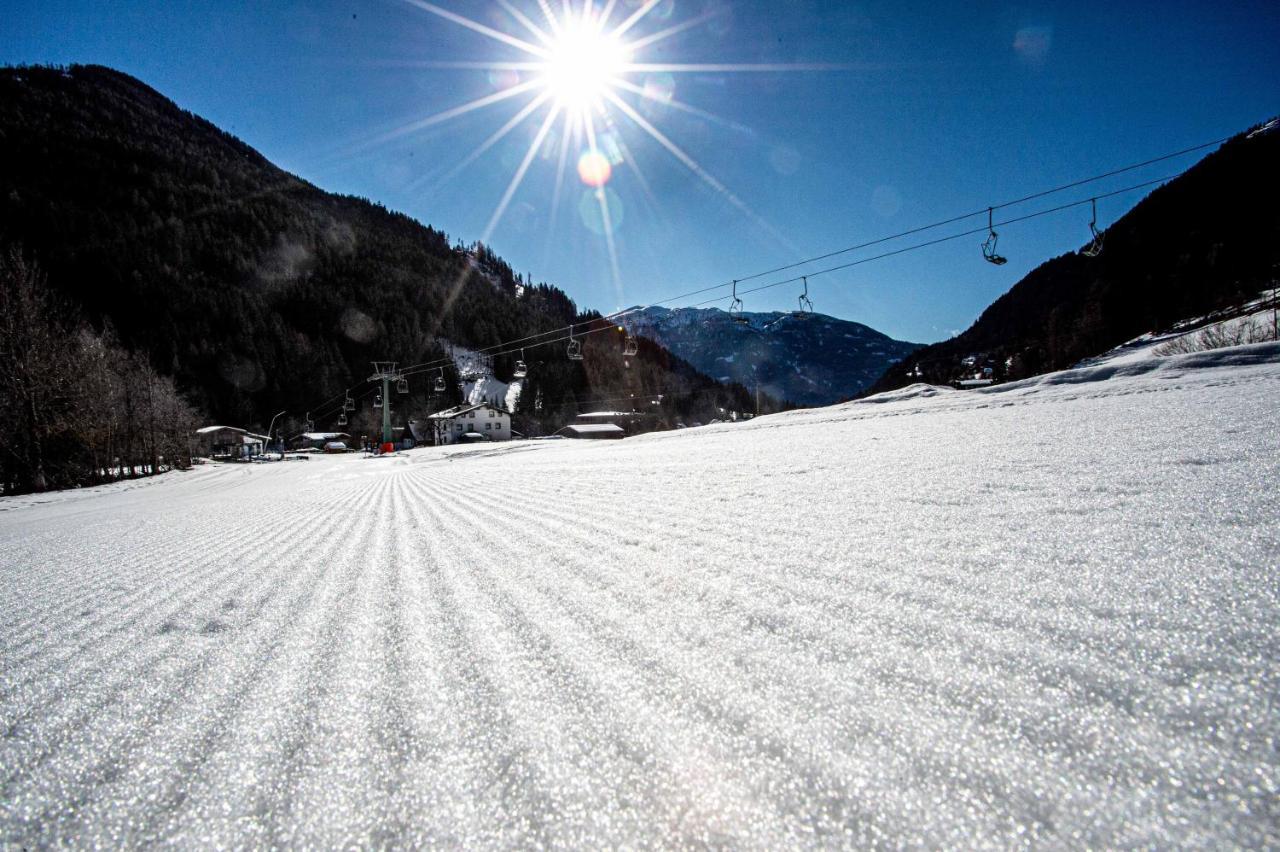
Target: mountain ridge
{"points": [[808, 359]]}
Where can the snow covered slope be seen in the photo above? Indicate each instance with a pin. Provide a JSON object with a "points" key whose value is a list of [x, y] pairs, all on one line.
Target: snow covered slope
{"points": [[1041, 614], [478, 382]]}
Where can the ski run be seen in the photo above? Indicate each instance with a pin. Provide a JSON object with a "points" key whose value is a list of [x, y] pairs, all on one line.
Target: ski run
{"points": [[1041, 614]]}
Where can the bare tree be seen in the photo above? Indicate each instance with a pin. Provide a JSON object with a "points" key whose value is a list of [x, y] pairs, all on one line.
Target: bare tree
{"points": [[38, 367], [82, 408]]}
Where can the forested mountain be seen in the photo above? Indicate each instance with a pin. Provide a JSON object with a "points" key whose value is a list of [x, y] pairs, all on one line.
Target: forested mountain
{"points": [[257, 291], [811, 359], [1206, 240]]}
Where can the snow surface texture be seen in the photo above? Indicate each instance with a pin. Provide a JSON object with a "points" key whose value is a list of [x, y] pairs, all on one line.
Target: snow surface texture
{"points": [[1038, 615]]}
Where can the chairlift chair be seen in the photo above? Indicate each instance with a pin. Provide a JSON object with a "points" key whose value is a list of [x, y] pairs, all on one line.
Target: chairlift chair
{"points": [[310, 424], [440, 385], [630, 348], [342, 419], [806, 306], [521, 369], [735, 307], [377, 401], [989, 247], [575, 350], [348, 404], [1095, 246], [402, 386]]}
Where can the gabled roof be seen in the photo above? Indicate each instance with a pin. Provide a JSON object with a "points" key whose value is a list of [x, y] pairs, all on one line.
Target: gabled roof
{"points": [[209, 430], [593, 429], [459, 410]]}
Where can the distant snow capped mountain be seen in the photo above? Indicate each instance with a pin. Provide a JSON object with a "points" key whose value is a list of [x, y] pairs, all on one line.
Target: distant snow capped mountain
{"points": [[810, 360]]}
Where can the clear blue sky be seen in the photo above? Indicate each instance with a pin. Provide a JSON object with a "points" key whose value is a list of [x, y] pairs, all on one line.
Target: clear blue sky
{"points": [[934, 110]]}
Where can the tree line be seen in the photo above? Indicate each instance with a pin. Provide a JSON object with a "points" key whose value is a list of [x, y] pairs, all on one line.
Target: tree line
{"points": [[81, 410]]}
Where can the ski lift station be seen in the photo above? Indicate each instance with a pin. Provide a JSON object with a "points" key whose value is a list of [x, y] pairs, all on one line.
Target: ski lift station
{"points": [[593, 431], [319, 440], [228, 442], [463, 424], [598, 425]]}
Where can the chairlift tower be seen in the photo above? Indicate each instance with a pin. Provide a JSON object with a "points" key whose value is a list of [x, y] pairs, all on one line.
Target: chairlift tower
{"points": [[386, 372]]}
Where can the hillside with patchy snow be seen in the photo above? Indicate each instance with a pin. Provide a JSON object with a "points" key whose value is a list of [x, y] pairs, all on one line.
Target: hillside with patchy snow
{"points": [[1037, 615], [477, 382], [813, 359]]}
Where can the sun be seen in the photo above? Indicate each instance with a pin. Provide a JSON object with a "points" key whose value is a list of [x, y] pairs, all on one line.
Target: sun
{"points": [[580, 69], [584, 63]]}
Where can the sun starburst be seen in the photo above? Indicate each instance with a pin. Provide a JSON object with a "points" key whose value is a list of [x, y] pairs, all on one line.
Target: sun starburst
{"points": [[584, 63], [581, 70]]}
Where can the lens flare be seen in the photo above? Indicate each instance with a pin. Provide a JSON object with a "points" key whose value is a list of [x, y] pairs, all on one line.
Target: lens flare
{"points": [[660, 88], [594, 168], [503, 78], [609, 145], [601, 210]]}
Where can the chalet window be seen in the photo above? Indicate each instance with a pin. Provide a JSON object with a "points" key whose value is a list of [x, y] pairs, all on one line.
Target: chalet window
{"points": [[488, 425]]}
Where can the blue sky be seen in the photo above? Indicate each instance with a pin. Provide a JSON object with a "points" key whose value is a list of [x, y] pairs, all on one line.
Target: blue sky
{"points": [[933, 110]]}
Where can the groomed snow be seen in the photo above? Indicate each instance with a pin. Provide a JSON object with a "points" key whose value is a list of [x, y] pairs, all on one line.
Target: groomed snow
{"points": [[1041, 614]]}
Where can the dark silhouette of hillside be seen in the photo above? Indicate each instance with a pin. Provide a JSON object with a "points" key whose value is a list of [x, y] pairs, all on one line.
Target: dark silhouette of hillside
{"points": [[1204, 241]]}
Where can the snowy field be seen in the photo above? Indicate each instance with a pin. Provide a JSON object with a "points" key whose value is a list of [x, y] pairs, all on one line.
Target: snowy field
{"points": [[1040, 615]]}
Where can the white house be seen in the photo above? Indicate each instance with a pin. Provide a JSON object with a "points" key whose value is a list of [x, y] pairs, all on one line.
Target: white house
{"points": [[481, 422]]}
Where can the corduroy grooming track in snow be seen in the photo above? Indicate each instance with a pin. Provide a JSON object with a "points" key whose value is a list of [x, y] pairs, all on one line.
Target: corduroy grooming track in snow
{"points": [[1042, 614]]}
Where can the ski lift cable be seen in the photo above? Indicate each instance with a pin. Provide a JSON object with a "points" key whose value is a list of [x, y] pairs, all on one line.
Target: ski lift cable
{"points": [[332, 408], [558, 335], [610, 326], [939, 240], [496, 348], [869, 243], [1024, 199]]}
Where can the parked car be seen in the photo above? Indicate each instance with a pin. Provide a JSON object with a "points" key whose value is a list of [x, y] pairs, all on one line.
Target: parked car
{"points": [[335, 447]]}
